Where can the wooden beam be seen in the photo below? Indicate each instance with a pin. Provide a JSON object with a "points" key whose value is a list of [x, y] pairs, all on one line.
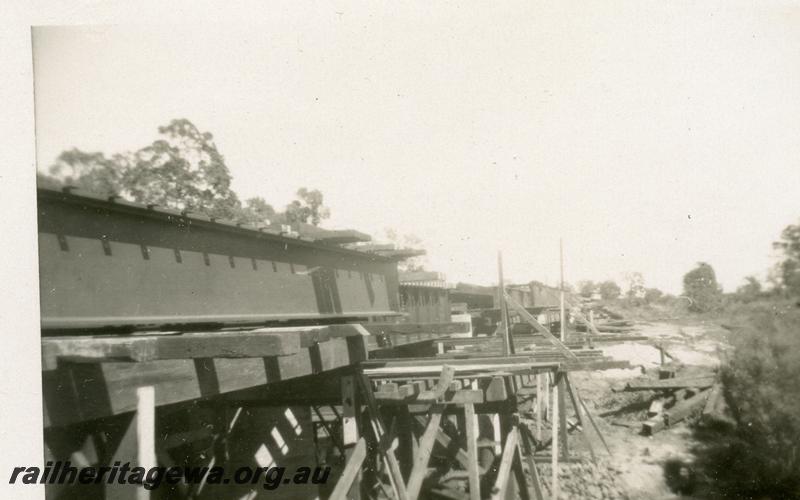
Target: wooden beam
{"points": [[562, 413], [540, 395], [416, 328], [504, 469], [351, 471], [595, 365], [137, 447], [591, 420], [351, 410], [528, 317], [438, 390], [554, 448], [496, 389], [672, 383], [465, 370], [685, 408], [109, 388], [420, 469], [471, 424], [467, 359], [245, 344], [461, 397], [389, 458], [505, 327], [527, 450]]}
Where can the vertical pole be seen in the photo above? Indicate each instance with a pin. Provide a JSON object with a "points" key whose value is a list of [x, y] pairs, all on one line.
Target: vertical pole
{"points": [[554, 448], [137, 446], [471, 425], [563, 318], [350, 433], [501, 303], [562, 413], [146, 432], [590, 328], [539, 406], [546, 394]]}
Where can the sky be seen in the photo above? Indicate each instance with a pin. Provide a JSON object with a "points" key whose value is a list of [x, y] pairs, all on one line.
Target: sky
{"points": [[647, 135]]}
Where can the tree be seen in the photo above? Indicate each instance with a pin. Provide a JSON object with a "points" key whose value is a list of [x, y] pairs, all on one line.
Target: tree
{"points": [[700, 285], [652, 295], [258, 212], [183, 170], [587, 288], [307, 208], [789, 268], [636, 288], [609, 290], [750, 290], [90, 171]]}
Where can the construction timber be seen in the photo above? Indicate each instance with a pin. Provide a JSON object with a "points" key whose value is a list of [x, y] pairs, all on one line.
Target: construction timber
{"points": [[395, 410], [169, 339]]}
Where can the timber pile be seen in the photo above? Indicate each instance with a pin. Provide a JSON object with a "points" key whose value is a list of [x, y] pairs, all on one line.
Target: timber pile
{"points": [[680, 398]]}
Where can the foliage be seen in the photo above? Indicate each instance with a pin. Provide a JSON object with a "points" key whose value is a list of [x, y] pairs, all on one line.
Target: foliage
{"points": [[586, 288], [308, 208], [182, 170], [700, 285], [760, 456], [90, 171], [258, 212], [652, 295], [609, 290], [789, 268], [635, 283], [750, 290]]}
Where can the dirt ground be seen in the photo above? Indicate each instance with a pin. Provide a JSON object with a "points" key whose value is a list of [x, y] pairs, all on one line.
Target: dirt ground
{"points": [[638, 462]]}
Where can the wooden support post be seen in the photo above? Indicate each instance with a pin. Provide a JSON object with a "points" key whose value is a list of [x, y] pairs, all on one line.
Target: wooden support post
{"points": [[137, 446], [471, 424], [506, 461], [527, 450], [351, 409], [562, 414], [508, 346], [578, 413], [389, 458], [547, 378], [590, 328], [347, 481], [591, 420], [539, 405], [554, 449], [573, 399], [426, 443]]}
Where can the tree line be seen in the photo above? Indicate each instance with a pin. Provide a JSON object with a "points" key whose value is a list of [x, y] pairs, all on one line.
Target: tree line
{"points": [[702, 291], [182, 169]]}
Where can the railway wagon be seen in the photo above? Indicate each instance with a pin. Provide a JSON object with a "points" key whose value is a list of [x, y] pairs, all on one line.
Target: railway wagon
{"points": [[109, 263]]}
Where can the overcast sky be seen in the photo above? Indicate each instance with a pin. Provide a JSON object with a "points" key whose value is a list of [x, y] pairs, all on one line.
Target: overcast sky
{"points": [[649, 135]]}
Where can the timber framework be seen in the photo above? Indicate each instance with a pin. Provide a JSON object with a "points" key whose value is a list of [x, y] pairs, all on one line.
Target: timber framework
{"points": [[173, 340]]}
